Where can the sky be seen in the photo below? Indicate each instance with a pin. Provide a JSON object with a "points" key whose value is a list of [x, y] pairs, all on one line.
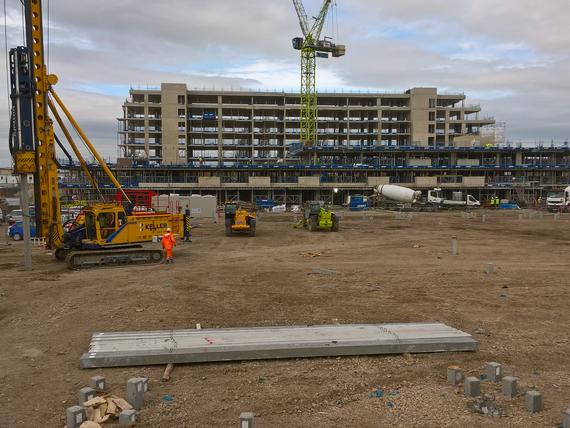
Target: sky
{"points": [[512, 57]]}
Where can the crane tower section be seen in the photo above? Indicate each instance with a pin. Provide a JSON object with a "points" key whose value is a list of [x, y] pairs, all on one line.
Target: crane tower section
{"points": [[312, 47]]}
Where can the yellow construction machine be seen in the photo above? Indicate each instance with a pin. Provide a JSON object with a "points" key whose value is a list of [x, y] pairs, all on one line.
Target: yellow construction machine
{"points": [[240, 217], [106, 233]]}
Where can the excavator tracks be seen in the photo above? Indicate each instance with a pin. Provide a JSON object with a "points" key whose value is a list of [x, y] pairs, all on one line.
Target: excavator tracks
{"points": [[105, 258]]}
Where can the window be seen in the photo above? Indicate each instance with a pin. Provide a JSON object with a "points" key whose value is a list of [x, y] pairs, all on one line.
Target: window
{"points": [[431, 116], [432, 103], [181, 112], [122, 218], [90, 226], [181, 99], [181, 140], [106, 224]]}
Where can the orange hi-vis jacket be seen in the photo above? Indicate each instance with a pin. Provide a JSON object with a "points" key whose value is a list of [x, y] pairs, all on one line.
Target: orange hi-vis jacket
{"points": [[168, 241]]}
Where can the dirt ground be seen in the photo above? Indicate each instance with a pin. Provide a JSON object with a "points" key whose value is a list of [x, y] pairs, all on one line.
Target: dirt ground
{"points": [[377, 269]]}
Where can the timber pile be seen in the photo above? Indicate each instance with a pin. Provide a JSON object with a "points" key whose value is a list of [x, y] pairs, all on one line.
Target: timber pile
{"points": [[104, 408]]}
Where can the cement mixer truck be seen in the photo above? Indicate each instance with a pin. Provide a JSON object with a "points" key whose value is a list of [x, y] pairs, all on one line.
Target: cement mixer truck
{"points": [[391, 196], [402, 197], [399, 193]]}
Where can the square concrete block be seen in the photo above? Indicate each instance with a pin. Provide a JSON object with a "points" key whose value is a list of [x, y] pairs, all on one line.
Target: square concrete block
{"points": [[494, 372], [127, 418], [472, 387], [247, 420], [509, 386], [97, 383], [86, 394], [144, 381], [75, 416], [454, 375], [566, 418], [534, 401], [135, 392]]}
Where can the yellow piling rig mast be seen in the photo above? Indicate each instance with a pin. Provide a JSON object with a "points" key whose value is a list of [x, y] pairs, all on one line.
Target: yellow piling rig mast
{"points": [[311, 47], [109, 235]]}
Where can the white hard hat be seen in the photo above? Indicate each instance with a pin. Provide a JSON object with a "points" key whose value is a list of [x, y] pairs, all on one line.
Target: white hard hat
{"points": [[168, 229]]}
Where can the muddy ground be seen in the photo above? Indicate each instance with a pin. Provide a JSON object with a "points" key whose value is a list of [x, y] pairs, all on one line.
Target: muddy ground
{"points": [[377, 269]]}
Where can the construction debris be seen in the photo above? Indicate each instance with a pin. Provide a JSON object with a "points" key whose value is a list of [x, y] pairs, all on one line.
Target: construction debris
{"points": [[103, 408], [167, 372], [487, 406], [311, 254], [120, 349]]}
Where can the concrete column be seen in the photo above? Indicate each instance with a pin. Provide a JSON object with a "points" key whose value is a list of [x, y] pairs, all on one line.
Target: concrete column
{"points": [[566, 418], [247, 420], [221, 130], [454, 251], [146, 124], [509, 386], [97, 383], [472, 387], [75, 416], [494, 372], [454, 375], [533, 401], [135, 393], [85, 394]]}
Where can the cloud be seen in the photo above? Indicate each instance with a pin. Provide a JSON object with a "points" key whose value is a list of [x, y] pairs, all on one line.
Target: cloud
{"points": [[515, 63]]}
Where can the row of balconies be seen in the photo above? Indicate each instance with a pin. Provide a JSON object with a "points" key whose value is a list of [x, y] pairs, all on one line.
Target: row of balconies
{"points": [[315, 182]]}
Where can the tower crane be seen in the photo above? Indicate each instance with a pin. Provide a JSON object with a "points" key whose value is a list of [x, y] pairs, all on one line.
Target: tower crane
{"points": [[312, 46], [107, 233]]}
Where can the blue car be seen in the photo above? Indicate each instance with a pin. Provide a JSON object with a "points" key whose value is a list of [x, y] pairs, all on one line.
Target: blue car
{"points": [[16, 231]]}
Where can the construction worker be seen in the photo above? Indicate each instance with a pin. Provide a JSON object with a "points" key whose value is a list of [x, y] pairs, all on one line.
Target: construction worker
{"points": [[168, 243], [497, 202]]}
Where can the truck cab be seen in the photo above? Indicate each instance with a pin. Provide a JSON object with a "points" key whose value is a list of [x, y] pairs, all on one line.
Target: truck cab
{"points": [[555, 201]]}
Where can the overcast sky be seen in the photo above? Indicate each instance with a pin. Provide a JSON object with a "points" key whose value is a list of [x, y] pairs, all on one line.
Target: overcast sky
{"points": [[511, 56]]}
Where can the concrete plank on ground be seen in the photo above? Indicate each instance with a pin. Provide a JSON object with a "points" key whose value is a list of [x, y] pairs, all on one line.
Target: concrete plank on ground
{"points": [[118, 349]]}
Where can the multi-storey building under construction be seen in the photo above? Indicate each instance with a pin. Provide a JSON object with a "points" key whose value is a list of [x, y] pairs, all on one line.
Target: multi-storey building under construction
{"points": [[245, 144]]}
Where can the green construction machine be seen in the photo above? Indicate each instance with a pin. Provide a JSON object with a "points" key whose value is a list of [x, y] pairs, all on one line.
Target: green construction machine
{"points": [[317, 217]]}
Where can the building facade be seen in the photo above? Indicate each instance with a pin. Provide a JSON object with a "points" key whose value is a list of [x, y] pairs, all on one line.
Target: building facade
{"points": [[174, 126], [245, 145]]}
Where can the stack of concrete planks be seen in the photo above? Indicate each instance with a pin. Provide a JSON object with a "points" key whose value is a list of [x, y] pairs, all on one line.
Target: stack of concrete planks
{"points": [[116, 349]]}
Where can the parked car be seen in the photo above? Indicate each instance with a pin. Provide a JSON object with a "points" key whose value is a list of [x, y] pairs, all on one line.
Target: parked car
{"points": [[16, 231], [16, 215]]}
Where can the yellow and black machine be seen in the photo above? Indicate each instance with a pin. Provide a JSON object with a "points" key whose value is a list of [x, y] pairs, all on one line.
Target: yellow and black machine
{"points": [[107, 233], [240, 217]]}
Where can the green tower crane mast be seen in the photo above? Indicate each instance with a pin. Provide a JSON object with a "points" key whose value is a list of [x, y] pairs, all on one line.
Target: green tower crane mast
{"points": [[311, 47]]}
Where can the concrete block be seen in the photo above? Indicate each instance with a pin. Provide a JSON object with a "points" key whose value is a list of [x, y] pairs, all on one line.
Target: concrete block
{"points": [[489, 268], [97, 383], [75, 416], [533, 401], [472, 387], [144, 381], [494, 372], [135, 393], [127, 418], [86, 394], [509, 386], [566, 418], [247, 420], [454, 375]]}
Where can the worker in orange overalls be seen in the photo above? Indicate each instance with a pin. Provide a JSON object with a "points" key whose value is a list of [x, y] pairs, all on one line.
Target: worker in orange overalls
{"points": [[168, 243]]}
